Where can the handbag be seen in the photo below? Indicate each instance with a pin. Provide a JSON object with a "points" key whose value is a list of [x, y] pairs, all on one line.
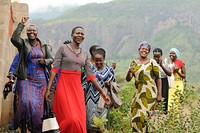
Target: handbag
{"points": [[115, 98], [49, 122]]}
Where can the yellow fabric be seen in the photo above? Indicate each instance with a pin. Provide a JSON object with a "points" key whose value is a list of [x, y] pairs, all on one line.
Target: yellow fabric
{"points": [[146, 93], [178, 85]]}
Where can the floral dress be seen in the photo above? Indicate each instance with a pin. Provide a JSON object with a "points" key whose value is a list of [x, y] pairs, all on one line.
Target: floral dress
{"points": [[146, 93]]}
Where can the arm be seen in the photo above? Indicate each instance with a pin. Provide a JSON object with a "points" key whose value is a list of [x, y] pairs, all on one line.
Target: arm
{"points": [[183, 72], [98, 87], [159, 87], [13, 66], [91, 77], [16, 39], [167, 71], [48, 57], [50, 83], [156, 72], [54, 71], [129, 74]]}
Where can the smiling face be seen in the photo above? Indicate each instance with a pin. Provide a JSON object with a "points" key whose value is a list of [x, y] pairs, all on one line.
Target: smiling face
{"points": [[173, 56], [143, 51], [78, 35], [32, 32], [99, 61], [157, 56]]}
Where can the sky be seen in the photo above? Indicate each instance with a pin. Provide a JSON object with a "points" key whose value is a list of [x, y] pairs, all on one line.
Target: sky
{"points": [[34, 5]]}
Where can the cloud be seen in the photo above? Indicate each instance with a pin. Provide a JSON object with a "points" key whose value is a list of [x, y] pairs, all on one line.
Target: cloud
{"points": [[39, 5]]}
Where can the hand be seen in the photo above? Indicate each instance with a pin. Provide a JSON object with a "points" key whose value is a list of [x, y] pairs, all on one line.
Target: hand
{"points": [[107, 84], [159, 98], [24, 20], [47, 95], [130, 70], [160, 61], [41, 61], [175, 68], [7, 88], [106, 99]]}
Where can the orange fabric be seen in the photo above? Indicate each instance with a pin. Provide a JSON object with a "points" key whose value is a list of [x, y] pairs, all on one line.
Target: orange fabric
{"points": [[54, 70], [11, 22], [179, 63], [91, 77]]}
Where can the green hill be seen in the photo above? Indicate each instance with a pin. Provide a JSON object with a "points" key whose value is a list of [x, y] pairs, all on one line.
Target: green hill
{"points": [[119, 26]]}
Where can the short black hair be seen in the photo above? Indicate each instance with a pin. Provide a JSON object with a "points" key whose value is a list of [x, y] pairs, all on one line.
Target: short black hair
{"points": [[73, 30], [93, 48], [33, 26], [158, 50], [67, 42], [100, 51]]}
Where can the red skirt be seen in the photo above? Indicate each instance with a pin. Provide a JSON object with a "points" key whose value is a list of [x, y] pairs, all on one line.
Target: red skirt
{"points": [[69, 103]]}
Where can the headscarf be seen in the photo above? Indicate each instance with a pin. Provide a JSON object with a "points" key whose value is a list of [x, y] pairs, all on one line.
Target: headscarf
{"points": [[176, 51], [145, 44]]}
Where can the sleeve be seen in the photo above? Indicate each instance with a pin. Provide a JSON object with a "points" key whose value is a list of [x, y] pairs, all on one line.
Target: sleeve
{"points": [[133, 63], [155, 69], [16, 40], [88, 69], [58, 60], [49, 58], [14, 64]]}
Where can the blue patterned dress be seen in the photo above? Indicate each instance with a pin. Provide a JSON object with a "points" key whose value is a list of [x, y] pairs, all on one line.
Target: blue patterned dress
{"points": [[31, 94], [92, 94]]}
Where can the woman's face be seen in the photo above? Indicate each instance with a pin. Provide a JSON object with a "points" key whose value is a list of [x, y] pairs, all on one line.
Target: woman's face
{"points": [[32, 32], [172, 56], [157, 56], [99, 61], [143, 51], [78, 36]]}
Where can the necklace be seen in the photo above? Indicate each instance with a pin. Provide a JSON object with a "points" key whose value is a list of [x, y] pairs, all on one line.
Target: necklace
{"points": [[74, 46], [34, 43], [76, 50]]}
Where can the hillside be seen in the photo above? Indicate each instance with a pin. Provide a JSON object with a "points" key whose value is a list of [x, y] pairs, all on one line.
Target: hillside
{"points": [[119, 26]]}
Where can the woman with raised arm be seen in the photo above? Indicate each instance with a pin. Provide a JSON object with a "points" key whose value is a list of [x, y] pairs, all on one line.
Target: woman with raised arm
{"points": [[34, 56]]}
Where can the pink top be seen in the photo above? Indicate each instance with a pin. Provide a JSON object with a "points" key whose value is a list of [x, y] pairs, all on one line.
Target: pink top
{"points": [[66, 59]]}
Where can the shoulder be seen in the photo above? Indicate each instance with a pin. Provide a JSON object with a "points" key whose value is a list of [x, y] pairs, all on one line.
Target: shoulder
{"points": [[109, 68], [43, 43], [133, 63], [153, 61], [179, 62], [85, 53]]}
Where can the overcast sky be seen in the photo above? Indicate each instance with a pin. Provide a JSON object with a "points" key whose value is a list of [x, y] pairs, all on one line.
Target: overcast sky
{"points": [[35, 5]]}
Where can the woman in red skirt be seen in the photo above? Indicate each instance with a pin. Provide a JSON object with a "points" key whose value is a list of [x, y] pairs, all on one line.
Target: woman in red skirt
{"points": [[69, 103]]}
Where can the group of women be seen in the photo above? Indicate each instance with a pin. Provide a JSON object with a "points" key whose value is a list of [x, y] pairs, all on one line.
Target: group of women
{"points": [[34, 85], [152, 84], [74, 106]]}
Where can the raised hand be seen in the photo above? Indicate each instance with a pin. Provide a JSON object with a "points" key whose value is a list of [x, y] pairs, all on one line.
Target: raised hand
{"points": [[24, 20]]}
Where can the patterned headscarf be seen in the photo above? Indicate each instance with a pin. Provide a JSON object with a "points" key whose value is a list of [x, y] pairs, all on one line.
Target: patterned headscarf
{"points": [[145, 44], [176, 51]]}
